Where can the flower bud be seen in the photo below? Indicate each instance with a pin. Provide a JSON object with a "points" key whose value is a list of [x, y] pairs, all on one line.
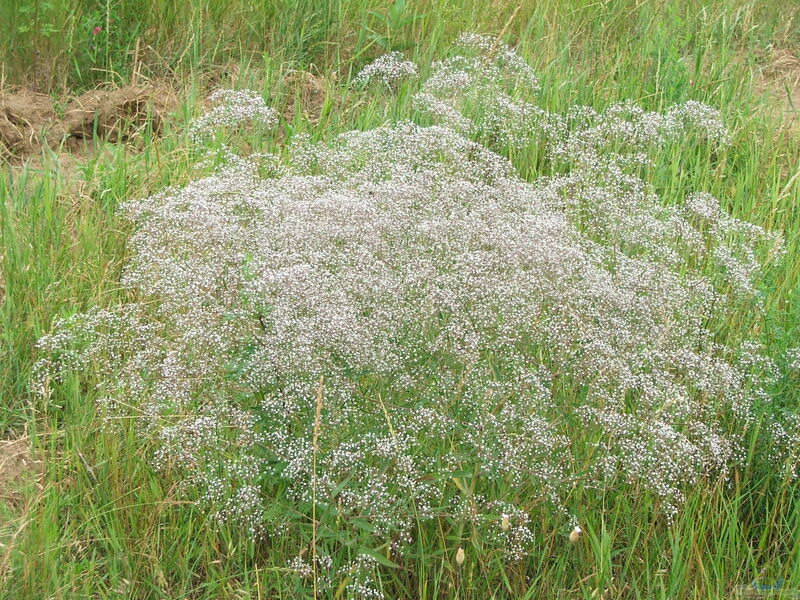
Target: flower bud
{"points": [[575, 535]]}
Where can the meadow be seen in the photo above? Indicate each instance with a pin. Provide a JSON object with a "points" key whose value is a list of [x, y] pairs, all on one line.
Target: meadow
{"points": [[513, 312]]}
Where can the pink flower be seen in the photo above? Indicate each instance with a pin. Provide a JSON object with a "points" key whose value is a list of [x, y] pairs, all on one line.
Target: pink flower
{"points": [[97, 30]]}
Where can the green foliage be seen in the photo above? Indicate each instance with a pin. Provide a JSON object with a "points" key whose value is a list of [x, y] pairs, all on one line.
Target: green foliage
{"points": [[392, 24]]}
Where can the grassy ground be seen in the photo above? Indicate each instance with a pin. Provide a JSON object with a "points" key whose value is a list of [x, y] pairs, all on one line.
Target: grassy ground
{"points": [[101, 524]]}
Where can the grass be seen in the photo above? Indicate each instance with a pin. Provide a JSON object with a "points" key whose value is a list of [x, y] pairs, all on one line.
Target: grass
{"points": [[103, 524]]}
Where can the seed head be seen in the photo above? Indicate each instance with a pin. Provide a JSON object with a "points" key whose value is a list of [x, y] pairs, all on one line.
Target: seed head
{"points": [[575, 535]]}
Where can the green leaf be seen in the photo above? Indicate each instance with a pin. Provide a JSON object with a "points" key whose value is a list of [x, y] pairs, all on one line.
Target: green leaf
{"points": [[396, 11], [362, 524]]}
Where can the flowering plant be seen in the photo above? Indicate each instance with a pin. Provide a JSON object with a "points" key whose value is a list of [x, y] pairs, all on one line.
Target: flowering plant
{"points": [[395, 327]]}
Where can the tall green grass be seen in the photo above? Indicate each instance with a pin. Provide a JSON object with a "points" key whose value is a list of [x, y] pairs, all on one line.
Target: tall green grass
{"points": [[52, 44], [104, 525]]}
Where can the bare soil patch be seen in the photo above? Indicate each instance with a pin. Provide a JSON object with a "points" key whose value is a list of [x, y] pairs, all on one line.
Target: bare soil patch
{"points": [[112, 115], [29, 121]]}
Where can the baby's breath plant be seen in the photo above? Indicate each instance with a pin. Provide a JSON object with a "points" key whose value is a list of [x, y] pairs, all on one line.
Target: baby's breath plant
{"points": [[231, 108], [388, 68], [393, 310]]}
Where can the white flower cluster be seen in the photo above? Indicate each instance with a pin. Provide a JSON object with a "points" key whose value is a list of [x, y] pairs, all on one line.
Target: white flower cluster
{"points": [[793, 358], [784, 449], [487, 89], [389, 68], [231, 108], [396, 309], [481, 80]]}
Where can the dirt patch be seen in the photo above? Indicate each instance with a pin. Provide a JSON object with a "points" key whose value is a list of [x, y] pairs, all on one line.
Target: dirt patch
{"points": [[115, 115], [29, 123], [18, 468], [27, 120]]}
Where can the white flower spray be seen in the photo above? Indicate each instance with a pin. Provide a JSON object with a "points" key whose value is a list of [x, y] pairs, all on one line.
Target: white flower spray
{"points": [[504, 318]]}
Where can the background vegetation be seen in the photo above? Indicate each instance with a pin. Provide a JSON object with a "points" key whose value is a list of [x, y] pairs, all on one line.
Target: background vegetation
{"points": [[99, 523]]}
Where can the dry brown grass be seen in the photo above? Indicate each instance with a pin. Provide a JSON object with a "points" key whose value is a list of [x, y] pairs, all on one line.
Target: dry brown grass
{"points": [[19, 467], [779, 79]]}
